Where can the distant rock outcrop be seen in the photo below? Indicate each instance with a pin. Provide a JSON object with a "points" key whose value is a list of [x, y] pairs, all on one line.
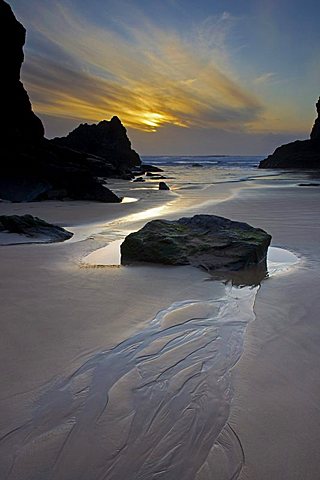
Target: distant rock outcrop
{"points": [[34, 168], [315, 132], [301, 154], [107, 139], [206, 241]]}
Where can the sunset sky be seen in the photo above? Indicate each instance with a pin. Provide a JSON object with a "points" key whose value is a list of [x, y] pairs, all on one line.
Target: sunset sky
{"points": [[184, 76]]}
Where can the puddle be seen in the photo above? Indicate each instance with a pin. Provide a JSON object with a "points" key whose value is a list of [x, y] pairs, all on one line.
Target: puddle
{"points": [[279, 260], [108, 256], [129, 200]]}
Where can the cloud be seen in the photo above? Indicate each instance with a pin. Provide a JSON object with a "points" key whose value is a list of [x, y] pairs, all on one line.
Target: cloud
{"points": [[150, 77], [264, 78]]}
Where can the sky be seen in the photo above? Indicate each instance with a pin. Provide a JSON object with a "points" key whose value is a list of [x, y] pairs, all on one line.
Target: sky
{"points": [[185, 77]]}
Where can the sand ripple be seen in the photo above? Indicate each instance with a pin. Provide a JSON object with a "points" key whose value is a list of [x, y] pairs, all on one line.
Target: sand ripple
{"points": [[155, 406]]}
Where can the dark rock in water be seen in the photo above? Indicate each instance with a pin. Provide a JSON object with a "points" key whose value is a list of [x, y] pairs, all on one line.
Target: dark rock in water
{"points": [[18, 120], [163, 186], [107, 139], [33, 227], [196, 165], [149, 168], [32, 168], [315, 132], [154, 176], [309, 185], [207, 241], [301, 154], [139, 179]]}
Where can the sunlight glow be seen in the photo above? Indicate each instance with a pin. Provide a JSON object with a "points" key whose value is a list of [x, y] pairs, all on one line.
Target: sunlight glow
{"points": [[151, 77]]}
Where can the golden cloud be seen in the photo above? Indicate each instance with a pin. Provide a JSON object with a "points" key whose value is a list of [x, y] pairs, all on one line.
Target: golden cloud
{"points": [[147, 76]]}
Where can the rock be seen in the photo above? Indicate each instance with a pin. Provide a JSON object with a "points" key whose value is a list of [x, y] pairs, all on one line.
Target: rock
{"points": [[163, 186], [149, 168], [308, 184], [315, 132], [107, 140], [301, 154], [19, 123], [196, 165], [32, 167], [44, 171], [206, 241], [33, 227], [139, 179]]}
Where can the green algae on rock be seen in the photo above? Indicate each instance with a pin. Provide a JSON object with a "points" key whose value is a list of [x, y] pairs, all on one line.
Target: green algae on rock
{"points": [[207, 241]]}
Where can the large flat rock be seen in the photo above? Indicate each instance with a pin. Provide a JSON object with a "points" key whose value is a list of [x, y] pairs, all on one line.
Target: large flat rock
{"points": [[207, 241]]}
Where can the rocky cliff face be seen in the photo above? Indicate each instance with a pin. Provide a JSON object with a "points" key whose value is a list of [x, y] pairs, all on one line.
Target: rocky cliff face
{"points": [[34, 168], [107, 139], [303, 154], [19, 120]]}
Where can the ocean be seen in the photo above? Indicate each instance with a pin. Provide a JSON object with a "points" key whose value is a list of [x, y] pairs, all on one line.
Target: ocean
{"points": [[218, 161], [208, 169]]}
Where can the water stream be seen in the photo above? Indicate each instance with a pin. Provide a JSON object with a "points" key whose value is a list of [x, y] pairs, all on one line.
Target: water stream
{"points": [[156, 406]]}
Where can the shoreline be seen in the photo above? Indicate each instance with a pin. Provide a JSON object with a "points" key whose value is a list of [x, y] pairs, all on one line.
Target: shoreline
{"points": [[58, 265]]}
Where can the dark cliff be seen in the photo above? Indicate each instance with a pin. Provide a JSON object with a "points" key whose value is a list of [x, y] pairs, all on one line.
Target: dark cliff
{"points": [[19, 121], [301, 154], [34, 168]]}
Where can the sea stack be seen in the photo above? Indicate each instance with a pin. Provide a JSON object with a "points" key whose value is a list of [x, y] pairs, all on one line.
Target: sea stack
{"points": [[106, 139], [301, 154]]}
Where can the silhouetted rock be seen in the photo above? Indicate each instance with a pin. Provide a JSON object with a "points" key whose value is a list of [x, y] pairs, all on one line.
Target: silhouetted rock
{"points": [[315, 132], [301, 154], [196, 165], [309, 185], [33, 227], [163, 186], [139, 179], [18, 120], [149, 168], [32, 168], [107, 139], [207, 241]]}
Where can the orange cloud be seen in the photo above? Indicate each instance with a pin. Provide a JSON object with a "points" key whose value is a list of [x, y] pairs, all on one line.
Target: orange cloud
{"points": [[149, 77]]}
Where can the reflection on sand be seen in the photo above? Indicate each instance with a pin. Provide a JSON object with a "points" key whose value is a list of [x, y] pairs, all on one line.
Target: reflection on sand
{"points": [[129, 200], [154, 406]]}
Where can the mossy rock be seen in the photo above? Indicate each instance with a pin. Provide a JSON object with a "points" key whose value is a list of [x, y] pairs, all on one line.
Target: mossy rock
{"points": [[207, 241]]}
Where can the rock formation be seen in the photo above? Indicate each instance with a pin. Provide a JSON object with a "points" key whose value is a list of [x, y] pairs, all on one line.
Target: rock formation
{"points": [[301, 154], [315, 132], [207, 241], [33, 227], [34, 168], [20, 123], [163, 186], [107, 140]]}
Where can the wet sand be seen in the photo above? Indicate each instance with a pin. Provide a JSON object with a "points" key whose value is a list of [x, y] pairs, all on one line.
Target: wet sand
{"points": [[72, 350]]}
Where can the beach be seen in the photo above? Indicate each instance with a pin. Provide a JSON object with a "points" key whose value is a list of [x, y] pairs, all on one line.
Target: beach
{"points": [[162, 371]]}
